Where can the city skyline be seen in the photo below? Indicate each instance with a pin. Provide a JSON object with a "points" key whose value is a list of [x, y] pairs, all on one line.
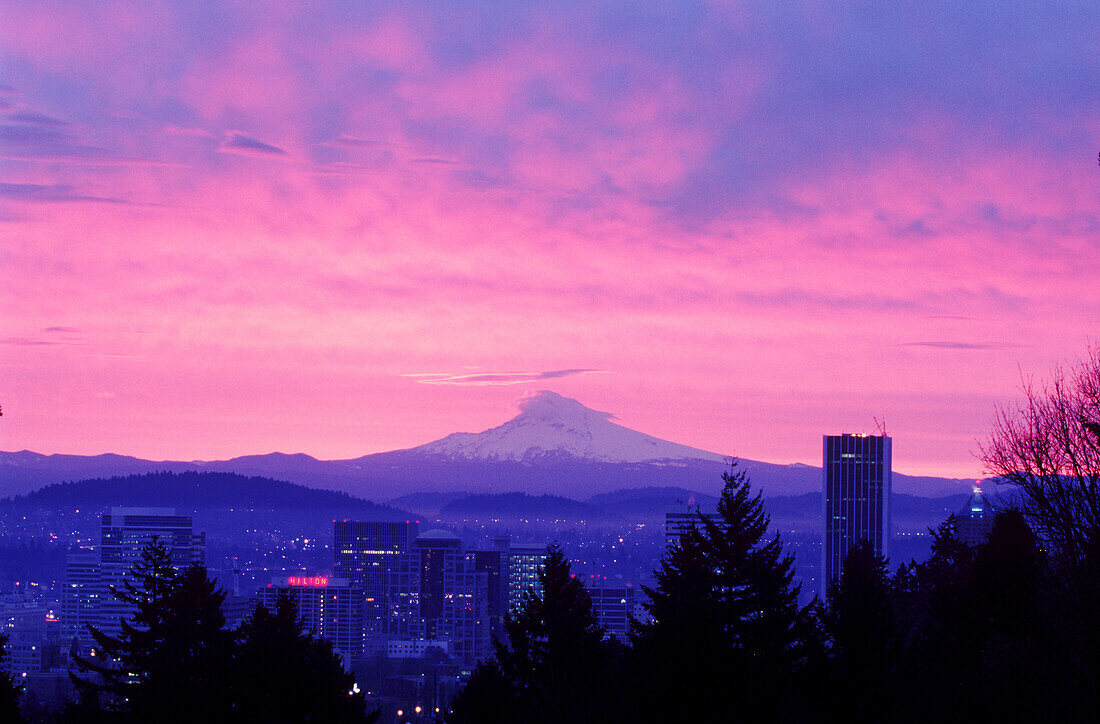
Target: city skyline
{"points": [[339, 230]]}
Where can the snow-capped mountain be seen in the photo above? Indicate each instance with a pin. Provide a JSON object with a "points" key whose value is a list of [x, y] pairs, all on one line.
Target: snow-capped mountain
{"points": [[551, 425], [554, 446]]}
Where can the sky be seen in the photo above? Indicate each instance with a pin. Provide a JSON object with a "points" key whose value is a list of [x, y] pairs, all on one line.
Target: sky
{"points": [[343, 228]]}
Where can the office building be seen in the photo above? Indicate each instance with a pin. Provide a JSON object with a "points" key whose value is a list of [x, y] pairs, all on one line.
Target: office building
{"points": [[124, 533], [494, 564], [975, 520], [330, 607], [365, 553], [524, 562], [678, 521], [438, 593], [80, 596], [613, 606], [27, 628], [856, 482]]}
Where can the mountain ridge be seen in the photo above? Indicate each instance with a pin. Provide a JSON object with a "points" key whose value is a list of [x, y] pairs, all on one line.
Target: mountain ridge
{"points": [[554, 446]]}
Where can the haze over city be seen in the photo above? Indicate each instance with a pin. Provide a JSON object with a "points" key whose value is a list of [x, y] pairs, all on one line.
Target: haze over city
{"points": [[346, 229]]}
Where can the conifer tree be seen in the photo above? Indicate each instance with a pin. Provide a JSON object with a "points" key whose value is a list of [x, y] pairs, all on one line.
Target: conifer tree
{"points": [[169, 661], [10, 692], [283, 673], [727, 633], [864, 628], [555, 665]]}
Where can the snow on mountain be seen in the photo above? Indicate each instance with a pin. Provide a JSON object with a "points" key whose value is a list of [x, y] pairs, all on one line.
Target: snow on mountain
{"points": [[552, 425]]}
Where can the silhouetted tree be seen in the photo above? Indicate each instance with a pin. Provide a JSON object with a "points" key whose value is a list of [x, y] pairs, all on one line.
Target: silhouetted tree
{"points": [[555, 665], [10, 692], [726, 633], [1050, 447], [284, 673], [864, 631], [170, 662]]}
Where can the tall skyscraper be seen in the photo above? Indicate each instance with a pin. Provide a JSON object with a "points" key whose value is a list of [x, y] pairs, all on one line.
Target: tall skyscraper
{"points": [[494, 564], [857, 481], [975, 520], [124, 533], [438, 593], [366, 552], [80, 596]]}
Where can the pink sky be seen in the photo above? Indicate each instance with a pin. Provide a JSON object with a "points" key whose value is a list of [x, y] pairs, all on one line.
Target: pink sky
{"points": [[237, 230]]}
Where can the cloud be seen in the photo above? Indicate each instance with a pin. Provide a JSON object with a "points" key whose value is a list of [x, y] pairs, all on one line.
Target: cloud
{"points": [[436, 161], [34, 118], [495, 378], [51, 193], [237, 142], [347, 141], [958, 345], [173, 129], [26, 342], [63, 330]]}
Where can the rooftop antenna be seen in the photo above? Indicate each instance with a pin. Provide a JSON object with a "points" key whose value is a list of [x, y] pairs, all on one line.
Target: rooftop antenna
{"points": [[880, 426]]}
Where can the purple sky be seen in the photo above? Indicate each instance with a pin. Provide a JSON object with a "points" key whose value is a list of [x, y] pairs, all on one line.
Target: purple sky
{"points": [[345, 228]]}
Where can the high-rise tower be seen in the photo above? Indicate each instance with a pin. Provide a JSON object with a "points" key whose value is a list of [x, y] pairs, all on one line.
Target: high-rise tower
{"points": [[856, 481], [124, 533], [365, 552]]}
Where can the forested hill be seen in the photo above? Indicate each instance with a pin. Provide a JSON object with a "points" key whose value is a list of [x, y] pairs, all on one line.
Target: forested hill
{"points": [[197, 491]]}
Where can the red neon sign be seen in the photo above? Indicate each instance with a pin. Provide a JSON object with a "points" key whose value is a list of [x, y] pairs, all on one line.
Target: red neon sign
{"points": [[314, 581]]}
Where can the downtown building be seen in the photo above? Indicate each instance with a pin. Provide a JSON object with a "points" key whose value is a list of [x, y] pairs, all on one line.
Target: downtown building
{"points": [[613, 605], [975, 521], [329, 607], [681, 520], [856, 488], [524, 562], [124, 532], [366, 553], [438, 593], [81, 592]]}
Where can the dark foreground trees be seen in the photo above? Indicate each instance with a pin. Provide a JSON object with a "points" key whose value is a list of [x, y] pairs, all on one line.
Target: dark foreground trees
{"points": [[988, 633], [282, 673], [726, 631], [10, 692], [1049, 446], [170, 662], [727, 636], [175, 661], [556, 664]]}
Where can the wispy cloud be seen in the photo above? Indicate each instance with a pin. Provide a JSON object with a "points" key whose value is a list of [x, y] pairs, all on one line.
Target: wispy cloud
{"points": [[34, 118], [237, 142], [495, 378], [958, 345], [26, 342], [51, 193]]}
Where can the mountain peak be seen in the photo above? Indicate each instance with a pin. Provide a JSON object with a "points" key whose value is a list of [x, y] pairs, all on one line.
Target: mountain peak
{"points": [[548, 405], [550, 425]]}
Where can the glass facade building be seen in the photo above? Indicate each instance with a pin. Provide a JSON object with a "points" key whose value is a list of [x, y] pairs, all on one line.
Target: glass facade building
{"points": [[365, 553], [124, 533], [857, 482], [524, 562], [438, 593]]}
